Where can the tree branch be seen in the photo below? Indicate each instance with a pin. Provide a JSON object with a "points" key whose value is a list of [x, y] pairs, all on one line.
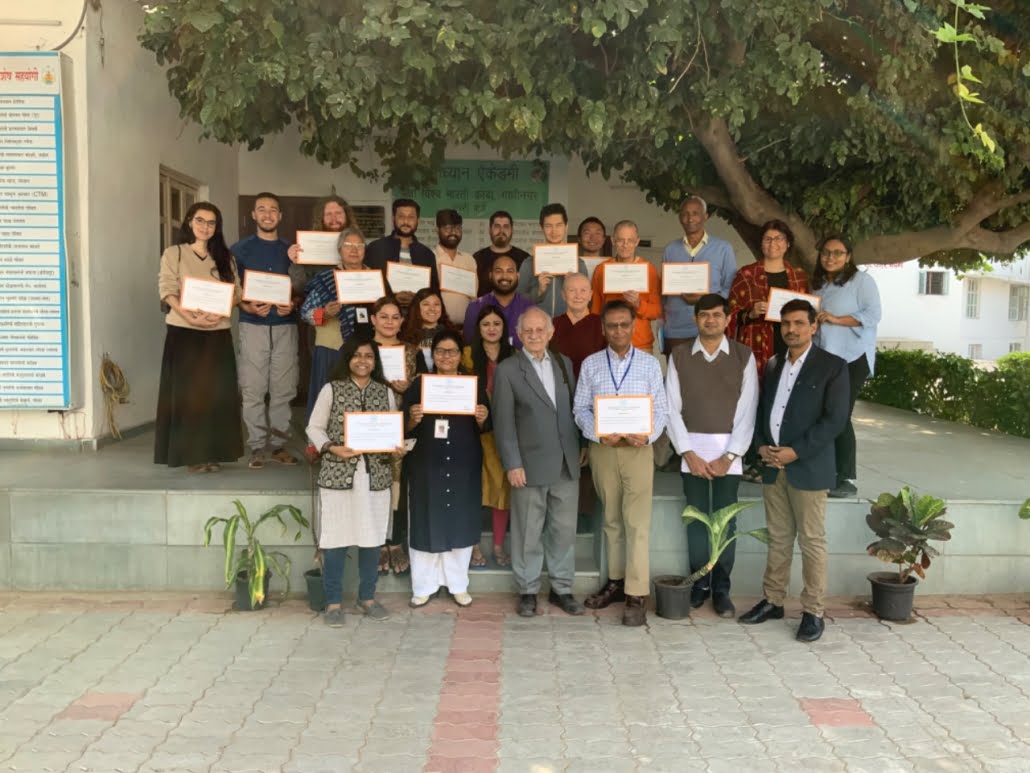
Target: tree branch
{"points": [[897, 248]]}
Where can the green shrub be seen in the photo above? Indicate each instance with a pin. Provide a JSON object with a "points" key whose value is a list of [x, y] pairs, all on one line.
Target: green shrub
{"points": [[947, 386]]}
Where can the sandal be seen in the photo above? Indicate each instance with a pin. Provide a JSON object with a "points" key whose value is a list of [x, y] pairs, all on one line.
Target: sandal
{"points": [[477, 561], [399, 560], [197, 468], [502, 558], [752, 475], [213, 467], [384, 560]]}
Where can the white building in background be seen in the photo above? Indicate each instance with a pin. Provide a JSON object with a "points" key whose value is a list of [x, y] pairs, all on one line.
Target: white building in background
{"points": [[982, 315]]}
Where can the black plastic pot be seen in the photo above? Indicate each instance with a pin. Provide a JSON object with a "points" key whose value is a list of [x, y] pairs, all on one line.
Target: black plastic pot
{"points": [[672, 596], [316, 589], [892, 600], [242, 602]]}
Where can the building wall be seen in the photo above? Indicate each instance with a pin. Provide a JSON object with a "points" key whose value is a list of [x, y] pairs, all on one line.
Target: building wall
{"points": [[122, 126]]}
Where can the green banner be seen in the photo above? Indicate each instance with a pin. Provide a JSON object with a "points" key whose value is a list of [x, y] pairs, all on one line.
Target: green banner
{"points": [[478, 188]]}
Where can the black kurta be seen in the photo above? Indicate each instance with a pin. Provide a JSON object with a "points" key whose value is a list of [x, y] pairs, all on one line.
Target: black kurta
{"points": [[444, 479]]}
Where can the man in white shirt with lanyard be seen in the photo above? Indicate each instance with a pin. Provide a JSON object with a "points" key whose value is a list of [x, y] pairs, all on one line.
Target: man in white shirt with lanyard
{"points": [[622, 464]]}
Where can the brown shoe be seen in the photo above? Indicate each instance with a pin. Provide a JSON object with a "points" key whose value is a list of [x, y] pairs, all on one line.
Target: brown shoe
{"points": [[635, 612], [614, 590], [283, 456]]}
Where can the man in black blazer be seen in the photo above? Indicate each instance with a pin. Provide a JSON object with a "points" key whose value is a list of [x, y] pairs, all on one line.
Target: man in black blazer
{"points": [[804, 406], [402, 246]]}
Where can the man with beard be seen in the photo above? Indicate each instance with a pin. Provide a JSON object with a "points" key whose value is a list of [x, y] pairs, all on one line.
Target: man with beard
{"points": [[505, 278], [402, 246], [448, 229], [501, 230], [268, 341]]}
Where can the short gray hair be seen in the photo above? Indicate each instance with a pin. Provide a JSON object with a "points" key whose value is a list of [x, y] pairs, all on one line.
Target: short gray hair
{"points": [[626, 224], [698, 199], [348, 231], [535, 310]]}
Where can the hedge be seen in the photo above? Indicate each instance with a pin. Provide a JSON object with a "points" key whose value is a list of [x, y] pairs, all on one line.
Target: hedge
{"points": [[950, 387]]}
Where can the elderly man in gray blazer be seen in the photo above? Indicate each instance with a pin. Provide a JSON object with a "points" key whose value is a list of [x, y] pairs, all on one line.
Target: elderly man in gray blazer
{"points": [[539, 446]]}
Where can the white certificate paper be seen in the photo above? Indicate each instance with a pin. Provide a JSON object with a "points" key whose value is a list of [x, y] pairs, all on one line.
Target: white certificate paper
{"points": [[623, 415], [449, 394], [557, 259], [624, 278], [359, 286], [393, 363], [457, 280], [207, 295], [779, 297], [265, 287], [407, 279], [318, 248], [373, 432], [685, 278]]}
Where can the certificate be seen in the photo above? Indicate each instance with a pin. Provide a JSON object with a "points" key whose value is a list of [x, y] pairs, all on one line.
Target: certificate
{"points": [[624, 278], [449, 394], [407, 279], [557, 259], [457, 280], [392, 358], [318, 248], [778, 297], [373, 432], [685, 278], [207, 295], [623, 415], [265, 287], [363, 286]]}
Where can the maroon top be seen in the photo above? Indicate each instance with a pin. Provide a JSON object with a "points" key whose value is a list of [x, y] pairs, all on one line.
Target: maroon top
{"points": [[578, 341]]}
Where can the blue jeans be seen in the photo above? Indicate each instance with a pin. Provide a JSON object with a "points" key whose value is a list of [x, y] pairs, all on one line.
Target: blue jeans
{"points": [[332, 573]]}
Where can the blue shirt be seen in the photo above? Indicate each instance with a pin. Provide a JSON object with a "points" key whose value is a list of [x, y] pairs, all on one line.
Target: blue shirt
{"points": [[256, 254], [511, 313], [679, 315], [858, 298], [605, 373]]}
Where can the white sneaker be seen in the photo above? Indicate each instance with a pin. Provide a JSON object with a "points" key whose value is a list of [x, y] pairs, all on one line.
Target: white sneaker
{"points": [[462, 599], [418, 601]]}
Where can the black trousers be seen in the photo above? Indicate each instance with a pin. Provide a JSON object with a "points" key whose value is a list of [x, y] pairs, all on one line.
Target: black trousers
{"points": [[844, 446], [708, 496]]}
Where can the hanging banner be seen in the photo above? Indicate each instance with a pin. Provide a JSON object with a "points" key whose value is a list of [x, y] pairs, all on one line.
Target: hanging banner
{"points": [[34, 367]]}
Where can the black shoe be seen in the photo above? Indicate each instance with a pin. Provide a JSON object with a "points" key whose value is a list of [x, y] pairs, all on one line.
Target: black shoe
{"points": [[698, 594], [567, 602], [612, 592], [722, 605], [527, 605], [761, 612], [811, 627], [845, 489]]}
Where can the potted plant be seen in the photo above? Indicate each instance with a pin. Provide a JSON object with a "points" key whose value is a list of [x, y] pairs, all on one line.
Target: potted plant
{"points": [[1024, 511], [313, 576], [252, 568], [904, 524], [672, 592]]}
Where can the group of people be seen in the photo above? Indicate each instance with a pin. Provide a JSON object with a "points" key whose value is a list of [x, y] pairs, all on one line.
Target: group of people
{"points": [[742, 397]]}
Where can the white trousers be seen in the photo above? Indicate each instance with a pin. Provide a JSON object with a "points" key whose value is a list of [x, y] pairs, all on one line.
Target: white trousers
{"points": [[430, 571]]}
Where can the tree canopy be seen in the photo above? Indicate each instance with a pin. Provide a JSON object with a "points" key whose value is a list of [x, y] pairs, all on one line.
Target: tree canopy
{"points": [[904, 124]]}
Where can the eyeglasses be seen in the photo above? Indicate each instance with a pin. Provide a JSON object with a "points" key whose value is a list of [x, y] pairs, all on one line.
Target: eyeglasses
{"points": [[446, 352], [624, 241], [208, 223], [773, 239], [618, 325], [351, 246], [833, 254]]}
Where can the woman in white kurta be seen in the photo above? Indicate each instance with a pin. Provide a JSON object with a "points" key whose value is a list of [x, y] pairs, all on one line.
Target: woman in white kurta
{"points": [[354, 487]]}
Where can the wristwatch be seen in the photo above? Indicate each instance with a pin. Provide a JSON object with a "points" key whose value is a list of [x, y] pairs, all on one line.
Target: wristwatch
{"points": [[731, 456]]}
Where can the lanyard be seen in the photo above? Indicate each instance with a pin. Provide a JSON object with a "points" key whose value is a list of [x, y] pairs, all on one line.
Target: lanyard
{"points": [[611, 372]]}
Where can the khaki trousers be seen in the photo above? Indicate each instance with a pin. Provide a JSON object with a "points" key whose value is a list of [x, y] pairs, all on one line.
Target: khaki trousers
{"points": [[790, 513], [624, 479]]}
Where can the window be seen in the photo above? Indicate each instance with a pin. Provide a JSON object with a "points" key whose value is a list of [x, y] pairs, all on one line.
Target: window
{"points": [[1019, 295], [972, 299], [177, 194], [976, 351], [933, 282], [1015, 346]]}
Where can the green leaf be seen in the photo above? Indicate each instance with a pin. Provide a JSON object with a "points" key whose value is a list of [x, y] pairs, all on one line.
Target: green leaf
{"points": [[1024, 511], [203, 21], [598, 28]]}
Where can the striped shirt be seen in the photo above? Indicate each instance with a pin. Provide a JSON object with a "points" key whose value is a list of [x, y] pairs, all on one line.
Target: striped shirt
{"points": [[638, 373]]}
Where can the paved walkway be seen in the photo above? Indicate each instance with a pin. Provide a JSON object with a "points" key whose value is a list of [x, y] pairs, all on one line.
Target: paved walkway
{"points": [[175, 683]]}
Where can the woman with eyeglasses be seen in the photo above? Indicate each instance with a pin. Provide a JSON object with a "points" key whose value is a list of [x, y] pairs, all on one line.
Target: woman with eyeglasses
{"points": [[334, 322], [848, 316], [749, 302], [198, 421], [444, 483], [426, 317]]}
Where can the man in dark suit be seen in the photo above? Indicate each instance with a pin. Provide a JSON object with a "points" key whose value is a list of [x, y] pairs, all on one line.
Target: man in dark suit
{"points": [[804, 406], [538, 443], [402, 246]]}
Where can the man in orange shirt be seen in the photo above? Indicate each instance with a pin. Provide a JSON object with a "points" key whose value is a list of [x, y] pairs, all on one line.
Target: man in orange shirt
{"points": [[647, 305]]}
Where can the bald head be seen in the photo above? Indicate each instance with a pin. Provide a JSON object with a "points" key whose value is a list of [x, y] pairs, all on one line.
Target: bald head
{"points": [[577, 292]]}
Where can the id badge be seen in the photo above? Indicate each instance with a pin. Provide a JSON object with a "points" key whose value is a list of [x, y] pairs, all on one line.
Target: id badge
{"points": [[362, 314], [443, 427]]}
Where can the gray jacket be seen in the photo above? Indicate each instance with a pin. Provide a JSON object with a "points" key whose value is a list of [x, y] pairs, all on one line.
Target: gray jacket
{"points": [[529, 431]]}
